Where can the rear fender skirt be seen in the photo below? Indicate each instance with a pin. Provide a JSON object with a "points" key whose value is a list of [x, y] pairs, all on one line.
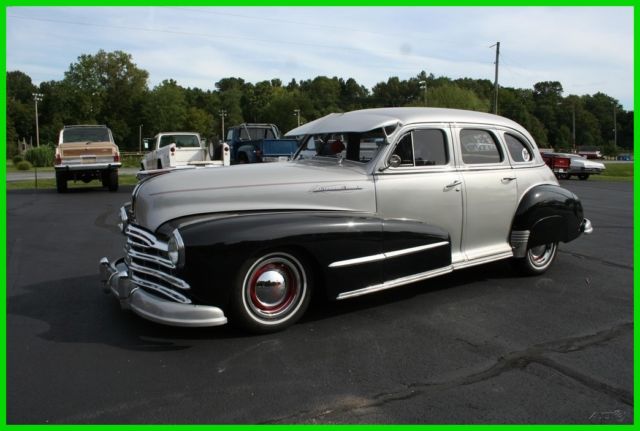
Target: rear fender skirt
{"points": [[549, 213]]}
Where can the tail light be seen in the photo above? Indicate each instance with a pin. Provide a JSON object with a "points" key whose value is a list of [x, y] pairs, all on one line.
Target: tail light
{"points": [[58, 159], [116, 157], [173, 150]]}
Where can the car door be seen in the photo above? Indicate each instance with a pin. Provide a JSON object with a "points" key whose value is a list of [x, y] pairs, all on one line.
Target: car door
{"points": [[420, 198], [490, 192]]}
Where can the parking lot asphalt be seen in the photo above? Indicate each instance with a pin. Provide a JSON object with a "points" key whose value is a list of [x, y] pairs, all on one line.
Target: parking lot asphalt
{"points": [[481, 345]]}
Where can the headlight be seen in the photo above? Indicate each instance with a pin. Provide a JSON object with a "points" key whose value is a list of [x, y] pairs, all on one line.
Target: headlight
{"points": [[175, 249]]}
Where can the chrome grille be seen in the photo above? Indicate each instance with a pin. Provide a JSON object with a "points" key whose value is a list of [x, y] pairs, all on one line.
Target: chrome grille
{"points": [[150, 267]]}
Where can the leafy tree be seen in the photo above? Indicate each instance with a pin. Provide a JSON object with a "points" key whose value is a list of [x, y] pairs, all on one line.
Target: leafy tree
{"points": [[107, 88], [165, 109]]}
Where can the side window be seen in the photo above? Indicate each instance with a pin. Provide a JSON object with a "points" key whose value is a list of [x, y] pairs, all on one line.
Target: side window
{"points": [[426, 147], [404, 149], [520, 152], [479, 147], [430, 147]]}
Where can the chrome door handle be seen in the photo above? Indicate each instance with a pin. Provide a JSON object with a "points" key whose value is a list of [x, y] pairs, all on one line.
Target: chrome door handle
{"points": [[453, 184], [508, 179]]}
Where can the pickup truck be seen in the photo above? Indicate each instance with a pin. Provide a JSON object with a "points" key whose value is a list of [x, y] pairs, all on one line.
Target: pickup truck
{"points": [[180, 149], [85, 153], [256, 143], [558, 163]]}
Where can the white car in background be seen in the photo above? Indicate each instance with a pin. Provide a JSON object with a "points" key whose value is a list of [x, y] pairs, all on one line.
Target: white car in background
{"points": [[582, 167]]}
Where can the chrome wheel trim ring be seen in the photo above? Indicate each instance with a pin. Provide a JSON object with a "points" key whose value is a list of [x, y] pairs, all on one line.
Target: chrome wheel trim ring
{"points": [[274, 288], [542, 256]]}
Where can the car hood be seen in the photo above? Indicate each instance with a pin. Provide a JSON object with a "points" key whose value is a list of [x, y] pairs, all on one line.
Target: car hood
{"points": [[299, 185]]}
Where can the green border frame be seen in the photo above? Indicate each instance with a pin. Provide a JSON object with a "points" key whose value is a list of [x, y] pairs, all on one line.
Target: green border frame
{"points": [[391, 3]]}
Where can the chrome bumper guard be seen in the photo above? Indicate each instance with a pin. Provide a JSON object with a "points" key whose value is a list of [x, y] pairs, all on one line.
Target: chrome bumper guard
{"points": [[586, 227], [114, 278]]}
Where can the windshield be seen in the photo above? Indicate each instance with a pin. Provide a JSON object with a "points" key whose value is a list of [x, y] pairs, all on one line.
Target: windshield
{"points": [[357, 147], [85, 134]]}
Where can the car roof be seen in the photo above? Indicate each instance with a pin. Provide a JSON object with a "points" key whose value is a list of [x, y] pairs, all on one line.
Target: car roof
{"points": [[369, 119]]}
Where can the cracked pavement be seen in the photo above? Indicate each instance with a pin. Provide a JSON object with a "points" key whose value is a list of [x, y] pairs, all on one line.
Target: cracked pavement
{"points": [[479, 346]]}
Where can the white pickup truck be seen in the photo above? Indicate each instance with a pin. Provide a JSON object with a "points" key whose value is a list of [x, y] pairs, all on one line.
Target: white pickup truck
{"points": [[181, 149]]}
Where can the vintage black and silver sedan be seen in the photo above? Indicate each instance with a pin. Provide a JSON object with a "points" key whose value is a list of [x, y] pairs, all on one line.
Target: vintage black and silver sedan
{"points": [[375, 199]]}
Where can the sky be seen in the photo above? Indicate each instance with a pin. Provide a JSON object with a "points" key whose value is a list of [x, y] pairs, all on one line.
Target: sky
{"points": [[586, 49]]}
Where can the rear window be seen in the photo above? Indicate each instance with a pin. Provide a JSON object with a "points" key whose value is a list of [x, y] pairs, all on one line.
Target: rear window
{"points": [[181, 141], [85, 134]]}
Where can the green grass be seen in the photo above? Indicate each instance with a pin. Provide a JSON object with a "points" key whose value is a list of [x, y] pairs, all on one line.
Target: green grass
{"points": [[615, 172], [124, 180]]}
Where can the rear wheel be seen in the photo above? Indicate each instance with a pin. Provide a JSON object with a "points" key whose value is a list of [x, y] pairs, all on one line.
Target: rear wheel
{"points": [[272, 292], [61, 181], [538, 259], [583, 176], [113, 180]]}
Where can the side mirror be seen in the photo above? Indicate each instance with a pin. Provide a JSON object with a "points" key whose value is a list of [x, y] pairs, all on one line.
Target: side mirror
{"points": [[395, 161], [146, 144]]}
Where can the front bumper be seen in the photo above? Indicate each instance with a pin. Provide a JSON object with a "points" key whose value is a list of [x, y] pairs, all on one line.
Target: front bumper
{"points": [[115, 279]]}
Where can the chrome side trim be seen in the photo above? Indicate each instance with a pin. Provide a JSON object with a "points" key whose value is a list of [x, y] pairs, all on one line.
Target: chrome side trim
{"points": [[395, 283], [519, 241], [485, 259], [180, 284], [386, 255]]}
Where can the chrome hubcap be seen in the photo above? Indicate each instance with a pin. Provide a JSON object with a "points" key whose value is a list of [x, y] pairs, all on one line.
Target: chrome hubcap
{"points": [[274, 286], [271, 288], [542, 254]]}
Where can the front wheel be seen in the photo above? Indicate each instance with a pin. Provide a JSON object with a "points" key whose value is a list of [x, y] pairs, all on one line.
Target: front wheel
{"points": [[583, 177], [272, 292], [538, 259]]}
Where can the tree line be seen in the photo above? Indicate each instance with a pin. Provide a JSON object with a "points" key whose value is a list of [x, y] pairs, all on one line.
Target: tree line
{"points": [[109, 88]]}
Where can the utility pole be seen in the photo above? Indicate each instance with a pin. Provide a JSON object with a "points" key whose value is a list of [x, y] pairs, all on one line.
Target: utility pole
{"points": [[140, 142], [495, 100], [615, 129], [423, 86], [296, 112], [573, 122], [37, 97], [223, 113]]}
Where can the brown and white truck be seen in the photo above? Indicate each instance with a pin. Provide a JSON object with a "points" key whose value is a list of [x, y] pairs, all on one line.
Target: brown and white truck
{"points": [[86, 153]]}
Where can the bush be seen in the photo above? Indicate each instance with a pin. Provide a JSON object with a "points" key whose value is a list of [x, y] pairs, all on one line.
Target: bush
{"points": [[17, 159], [23, 165], [41, 156]]}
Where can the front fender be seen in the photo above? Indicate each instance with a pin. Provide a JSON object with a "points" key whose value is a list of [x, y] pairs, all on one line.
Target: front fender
{"points": [[549, 213], [217, 246]]}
